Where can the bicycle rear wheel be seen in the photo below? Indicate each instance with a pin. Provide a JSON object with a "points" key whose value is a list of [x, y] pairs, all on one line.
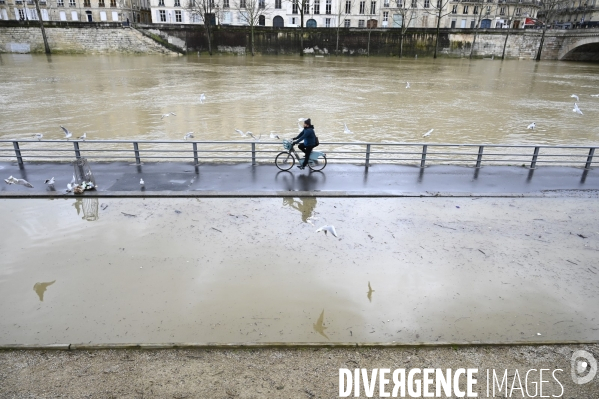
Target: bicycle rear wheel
{"points": [[284, 161], [319, 164]]}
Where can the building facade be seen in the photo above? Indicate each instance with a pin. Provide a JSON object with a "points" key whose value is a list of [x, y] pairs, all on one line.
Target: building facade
{"points": [[77, 10]]}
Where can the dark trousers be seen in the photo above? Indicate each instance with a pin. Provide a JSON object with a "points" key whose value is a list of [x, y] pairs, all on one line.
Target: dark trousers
{"points": [[307, 151]]}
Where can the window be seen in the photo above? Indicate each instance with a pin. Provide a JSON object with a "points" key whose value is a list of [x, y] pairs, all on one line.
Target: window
{"points": [[74, 16], [502, 11], [454, 9], [518, 11], [178, 16], [472, 24], [373, 7], [72, 3], [160, 3], [112, 3], [177, 3], [328, 7], [22, 14], [60, 3], [327, 22], [348, 7], [262, 4], [347, 23], [101, 4], [115, 16], [362, 7], [438, 3], [414, 3], [400, 3], [225, 3], [425, 21], [278, 4], [453, 21], [241, 3], [293, 20], [386, 3], [102, 15], [87, 3], [316, 6], [63, 16], [465, 10], [361, 23], [162, 14], [294, 9], [306, 7], [488, 10], [385, 16], [475, 10], [427, 3]]}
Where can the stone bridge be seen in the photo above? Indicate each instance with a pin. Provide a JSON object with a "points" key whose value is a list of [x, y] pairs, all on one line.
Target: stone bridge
{"points": [[580, 45]]}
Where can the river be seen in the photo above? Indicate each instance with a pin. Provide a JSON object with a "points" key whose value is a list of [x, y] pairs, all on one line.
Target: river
{"points": [[124, 97]]}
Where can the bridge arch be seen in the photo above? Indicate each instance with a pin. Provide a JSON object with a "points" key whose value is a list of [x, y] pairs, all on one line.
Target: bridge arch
{"points": [[580, 49]]}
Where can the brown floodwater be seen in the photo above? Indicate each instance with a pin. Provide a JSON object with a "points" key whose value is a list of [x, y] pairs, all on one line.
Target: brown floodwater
{"points": [[123, 97], [247, 270]]}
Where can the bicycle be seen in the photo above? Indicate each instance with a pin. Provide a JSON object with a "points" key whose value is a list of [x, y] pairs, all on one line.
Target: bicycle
{"points": [[286, 159]]}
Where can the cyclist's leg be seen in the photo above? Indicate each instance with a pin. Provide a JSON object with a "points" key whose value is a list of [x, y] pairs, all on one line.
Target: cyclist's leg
{"points": [[307, 157], [302, 147]]}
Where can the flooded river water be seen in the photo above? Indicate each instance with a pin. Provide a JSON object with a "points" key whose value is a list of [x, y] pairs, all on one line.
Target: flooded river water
{"points": [[481, 101]]}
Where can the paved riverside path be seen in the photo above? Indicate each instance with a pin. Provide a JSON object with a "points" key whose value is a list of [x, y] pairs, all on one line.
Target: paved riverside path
{"points": [[243, 179]]}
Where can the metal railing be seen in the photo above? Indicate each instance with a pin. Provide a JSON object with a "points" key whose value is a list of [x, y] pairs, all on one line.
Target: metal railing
{"points": [[420, 154]]}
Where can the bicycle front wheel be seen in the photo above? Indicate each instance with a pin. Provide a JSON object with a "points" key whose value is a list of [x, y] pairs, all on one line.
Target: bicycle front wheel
{"points": [[284, 161], [319, 164]]}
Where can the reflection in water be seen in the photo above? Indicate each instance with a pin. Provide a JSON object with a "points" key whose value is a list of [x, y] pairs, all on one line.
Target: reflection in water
{"points": [[89, 207], [370, 291], [319, 326], [305, 205], [40, 288]]}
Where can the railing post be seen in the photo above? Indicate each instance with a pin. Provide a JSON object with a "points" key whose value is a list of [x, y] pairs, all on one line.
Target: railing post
{"points": [[423, 159], [136, 149], [77, 153], [195, 153], [590, 158], [18, 152], [479, 158], [367, 155], [253, 154], [533, 164]]}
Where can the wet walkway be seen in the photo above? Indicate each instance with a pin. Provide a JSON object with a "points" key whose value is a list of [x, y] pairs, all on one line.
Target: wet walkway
{"points": [[180, 179]]}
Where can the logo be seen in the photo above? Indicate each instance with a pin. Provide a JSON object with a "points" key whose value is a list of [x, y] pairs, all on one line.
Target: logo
{"points": [[584, 367]]}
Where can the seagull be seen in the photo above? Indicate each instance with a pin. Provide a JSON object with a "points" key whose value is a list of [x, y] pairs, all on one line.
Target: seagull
{"points": [[326, 229], [167, 115], [202, 98], [69, 188], [370, 291], [141, 182], [254, 137], [576, 109], [49, 182], [274, 136], [300, 128], [40, 288], [532, 126], [594, 95], [428, 133], [73, 180], [301, 119], [319, 325], [67, 134], [188, 136], [240, 132], [38, 136], [14, 180], [407, 85], [575, 96], [346, 129], [83, 137]]}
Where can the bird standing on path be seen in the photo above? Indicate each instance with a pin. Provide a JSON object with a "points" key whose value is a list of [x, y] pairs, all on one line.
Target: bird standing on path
{"points": [[326, 229], [67, 133], [532, 126], [428, 133], [49, 182], [141, 182]]}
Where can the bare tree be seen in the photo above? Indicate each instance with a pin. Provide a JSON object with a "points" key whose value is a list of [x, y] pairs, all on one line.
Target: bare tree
{"points": [[407, 13], [205, 10], [344, 8], [303, 7], [549, 9], [438, 11], [516, 7], [478, 11], [39, 17], [250, 12]]}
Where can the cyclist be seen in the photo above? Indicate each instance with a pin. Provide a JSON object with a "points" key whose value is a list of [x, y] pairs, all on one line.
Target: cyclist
{"points": [[309, 141]]}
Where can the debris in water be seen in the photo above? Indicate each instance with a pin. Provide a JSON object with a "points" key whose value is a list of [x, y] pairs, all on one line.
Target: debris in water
{"points": [[128, 214]]}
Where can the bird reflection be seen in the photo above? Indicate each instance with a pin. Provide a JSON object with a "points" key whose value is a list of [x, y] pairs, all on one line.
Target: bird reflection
{"points": [[370, 291], [319, 326], [305, 205], [77, 205], [40, 288]]}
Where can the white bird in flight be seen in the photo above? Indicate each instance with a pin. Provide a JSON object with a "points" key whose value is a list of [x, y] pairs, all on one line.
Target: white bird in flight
{"points": [[49, 182], [167, 115], [189, 135], [14, 180], [38, 136], [576, 109], [301, 119], [67, 133], [532, 126], [73, 180], [248, 133], [300, 128], [202, 98], [594, 95], [83, 137], [274, 136], [407, 85], [575, 96], [428, 133], [326, 229], [346, 129]]}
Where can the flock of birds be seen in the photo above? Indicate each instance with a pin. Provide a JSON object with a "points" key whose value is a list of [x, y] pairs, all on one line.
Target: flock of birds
{"points": [[576, 109], [49, 182]]}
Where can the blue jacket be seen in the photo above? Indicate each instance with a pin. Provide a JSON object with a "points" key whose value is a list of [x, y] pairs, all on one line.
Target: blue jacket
{"points": [[308, 136]]}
